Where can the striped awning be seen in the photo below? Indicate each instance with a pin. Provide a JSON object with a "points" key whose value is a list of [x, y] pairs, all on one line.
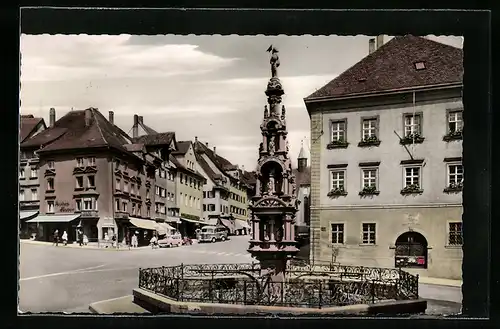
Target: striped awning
{"points": [[192, 220], [54, 218], [164, 228], [27, 214], [241, 224]]}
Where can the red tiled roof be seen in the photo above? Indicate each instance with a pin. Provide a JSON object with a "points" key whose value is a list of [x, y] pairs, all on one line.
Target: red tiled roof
{"points": [[70, 132], [155, 139], [302, 177], [28, 123], [392, 67], [182, 147]]}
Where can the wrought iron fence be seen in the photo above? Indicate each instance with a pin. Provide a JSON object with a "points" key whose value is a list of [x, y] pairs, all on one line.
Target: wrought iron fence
{"points": [[324, 286]]}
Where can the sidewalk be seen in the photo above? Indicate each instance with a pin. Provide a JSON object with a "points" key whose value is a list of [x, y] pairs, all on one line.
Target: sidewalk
{"points": [[91, 246], [440, 282]]}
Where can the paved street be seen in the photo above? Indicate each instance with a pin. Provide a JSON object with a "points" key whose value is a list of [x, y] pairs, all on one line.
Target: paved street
{"points": [[55, 279]]}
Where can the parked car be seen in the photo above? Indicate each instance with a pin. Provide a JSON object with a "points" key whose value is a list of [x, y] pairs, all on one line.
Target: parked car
{"points": [[170, 240], [212, 234]]}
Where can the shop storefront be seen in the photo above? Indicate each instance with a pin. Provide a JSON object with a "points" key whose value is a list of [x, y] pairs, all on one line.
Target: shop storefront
{"points": [[27, 230], [241, 227], [144, 229], [229, 224], [189, 226], [45, 226]]}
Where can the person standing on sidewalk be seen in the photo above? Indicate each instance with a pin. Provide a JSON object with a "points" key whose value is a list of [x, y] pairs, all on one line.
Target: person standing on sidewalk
{"points": [[106, 239], [134, 241], [113, 239], [85, 240], [80, 237], [65, 238], [56, 238]]}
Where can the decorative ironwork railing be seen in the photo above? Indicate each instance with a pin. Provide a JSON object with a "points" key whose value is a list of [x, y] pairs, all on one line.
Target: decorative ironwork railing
{"points": [[316, 286]]}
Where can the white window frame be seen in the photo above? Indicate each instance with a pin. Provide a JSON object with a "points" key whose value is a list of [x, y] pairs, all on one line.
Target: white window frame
{"points": [[336, 132], [369, 231], [34, 172], [420, 167], [91, 161], [51, 164], [22, 195], [337, 233], [50, 206], [22, 173], [88, 181], [335, 171], [363, 169], [80, 162], [412, 127], [34, 196], [125, 187], [448, 172], [78, 204], [118, 184], [78, 185], [453, 117], [51, 179], [93, 204], [371, 130]]}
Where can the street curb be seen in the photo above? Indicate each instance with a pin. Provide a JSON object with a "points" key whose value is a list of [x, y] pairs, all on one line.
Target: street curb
{"points": [[49, 244], [455, 285]]}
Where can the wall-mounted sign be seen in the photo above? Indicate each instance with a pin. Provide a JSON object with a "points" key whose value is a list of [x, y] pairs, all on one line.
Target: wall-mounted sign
{"points": [[64, 206]]}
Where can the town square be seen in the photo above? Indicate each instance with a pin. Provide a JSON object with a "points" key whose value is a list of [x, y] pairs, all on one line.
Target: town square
{"points": [[169, 169]]}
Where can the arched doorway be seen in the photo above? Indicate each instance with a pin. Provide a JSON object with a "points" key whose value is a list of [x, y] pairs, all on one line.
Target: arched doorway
{"points": [[411, 250]]}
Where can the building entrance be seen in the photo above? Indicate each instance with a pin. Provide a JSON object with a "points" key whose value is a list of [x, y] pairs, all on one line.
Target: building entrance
{"points": [[411, 250]]}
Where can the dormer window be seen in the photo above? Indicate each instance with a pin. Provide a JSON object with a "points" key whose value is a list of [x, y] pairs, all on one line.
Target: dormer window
{"points": [[419, 66]]}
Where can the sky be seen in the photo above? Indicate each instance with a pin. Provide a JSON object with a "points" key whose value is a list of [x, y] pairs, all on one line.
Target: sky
{"points": [[211, 87]]}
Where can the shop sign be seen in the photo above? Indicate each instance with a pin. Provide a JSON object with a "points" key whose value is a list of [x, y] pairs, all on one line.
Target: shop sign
{"points": [[64, 206]]}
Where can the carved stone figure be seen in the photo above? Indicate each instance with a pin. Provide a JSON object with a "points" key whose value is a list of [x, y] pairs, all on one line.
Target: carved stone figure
{"points": [[274, 61], [261, 147], [271, 145], [283, 111], [266, 111]]}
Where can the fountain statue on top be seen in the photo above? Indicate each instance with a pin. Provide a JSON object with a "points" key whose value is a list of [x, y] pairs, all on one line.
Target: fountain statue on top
{"points": [[274, 205]]}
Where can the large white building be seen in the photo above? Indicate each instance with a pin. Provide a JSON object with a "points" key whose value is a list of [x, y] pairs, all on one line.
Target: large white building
{"points": [[386, 152]]}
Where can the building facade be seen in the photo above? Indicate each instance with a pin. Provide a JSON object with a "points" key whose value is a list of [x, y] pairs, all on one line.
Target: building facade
{"points": [[189, 189], [93, 178], [226, 191], [386, 160], [29, 177], [303, 180]]}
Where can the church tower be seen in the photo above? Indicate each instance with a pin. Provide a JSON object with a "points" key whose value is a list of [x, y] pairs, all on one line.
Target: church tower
{"points": [[302, 159], [274, 205]]}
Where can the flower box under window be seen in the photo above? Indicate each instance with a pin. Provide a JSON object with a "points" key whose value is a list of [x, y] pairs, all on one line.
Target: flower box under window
{"points": [[453, 135], [454, 188], [337, 144], [369, 141], [369, 190], [412, 139], [411, 189], [335, 192]]}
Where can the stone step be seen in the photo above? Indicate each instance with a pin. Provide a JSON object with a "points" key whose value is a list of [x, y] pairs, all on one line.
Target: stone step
{"points": [[121, 305]]}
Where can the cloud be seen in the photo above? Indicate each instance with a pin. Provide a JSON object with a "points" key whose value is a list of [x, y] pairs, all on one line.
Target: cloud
{"points": [[64, 57]]}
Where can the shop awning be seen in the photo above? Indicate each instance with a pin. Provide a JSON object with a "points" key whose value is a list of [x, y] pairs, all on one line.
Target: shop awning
{"points": [[54, 218], [143, 223], [192, 220], [211, 221], [241, 224], [227, 223], [27, 214], [164, 228]]}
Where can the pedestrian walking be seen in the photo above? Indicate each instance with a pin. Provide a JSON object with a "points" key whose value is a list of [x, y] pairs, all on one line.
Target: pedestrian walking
{"points": [[56, 238], [80, 238], [153, 242], [106, 239], [65, 238], [113, 238], [85, 240], [134, 241], [127, 239]]}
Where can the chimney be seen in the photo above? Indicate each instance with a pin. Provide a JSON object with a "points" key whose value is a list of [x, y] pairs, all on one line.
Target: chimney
{"points": [[135, 127], [214, 151], [88, 117], [52, 117], [371, 45], [196, 139], [111, 117]]}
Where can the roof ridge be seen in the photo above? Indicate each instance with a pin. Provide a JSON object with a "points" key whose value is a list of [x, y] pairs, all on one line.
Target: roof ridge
{"points": [[99, 126]]}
